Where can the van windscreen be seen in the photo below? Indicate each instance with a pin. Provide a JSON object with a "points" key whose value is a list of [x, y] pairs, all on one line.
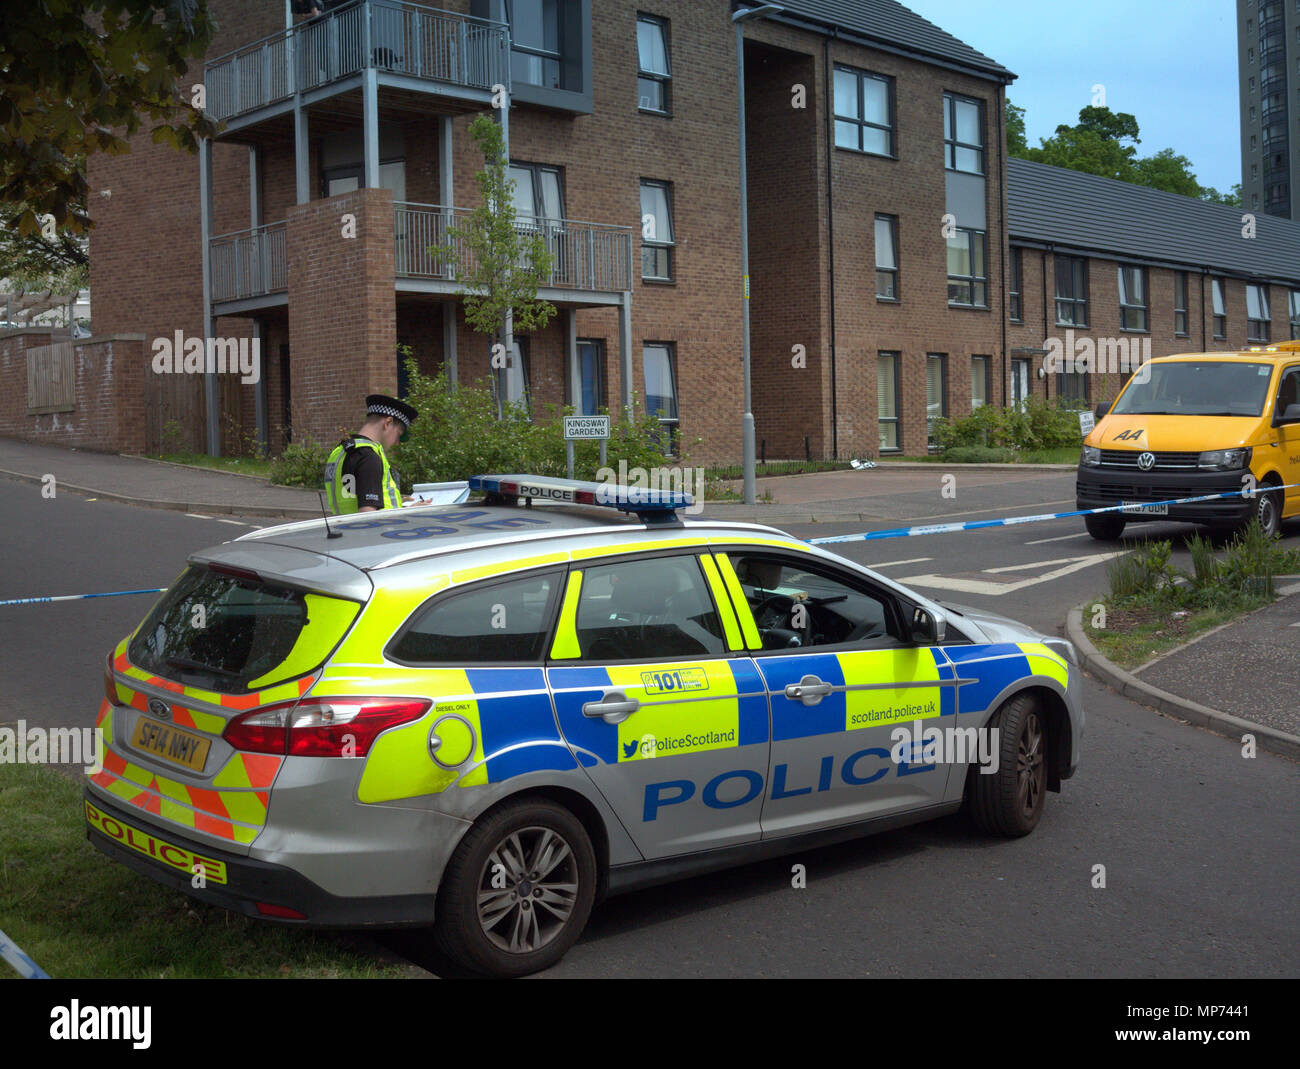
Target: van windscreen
{"points": [[1196, 388]]}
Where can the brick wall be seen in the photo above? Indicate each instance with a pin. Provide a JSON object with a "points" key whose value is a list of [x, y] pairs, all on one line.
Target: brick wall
{"points": [[108, 392], [342, 315]]}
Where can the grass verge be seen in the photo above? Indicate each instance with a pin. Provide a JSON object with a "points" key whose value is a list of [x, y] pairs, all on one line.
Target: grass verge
{"points": [[242, 465], [78, 914], [1135, 634]]}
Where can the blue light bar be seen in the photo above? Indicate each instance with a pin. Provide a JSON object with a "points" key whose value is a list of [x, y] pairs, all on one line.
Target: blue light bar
{"points": [[646, 501]]}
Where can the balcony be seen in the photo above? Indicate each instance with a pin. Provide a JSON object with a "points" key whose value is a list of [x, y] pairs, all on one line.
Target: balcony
{"points": [[249, 268], [410, 46], [587, 259]]}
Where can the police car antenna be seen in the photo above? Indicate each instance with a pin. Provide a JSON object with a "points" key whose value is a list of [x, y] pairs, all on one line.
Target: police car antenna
{"points": [[329, 533]]}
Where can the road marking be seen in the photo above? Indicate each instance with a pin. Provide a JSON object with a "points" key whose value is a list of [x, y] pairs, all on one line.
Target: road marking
{"points": [[892, 563], [197, 516], [918, 521], [1058, 538], [996, 588], [234, 523]]}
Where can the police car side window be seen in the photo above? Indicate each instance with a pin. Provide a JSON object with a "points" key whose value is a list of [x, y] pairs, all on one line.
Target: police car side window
{"points": [[797, 606], [647, 609], [496, 623]]}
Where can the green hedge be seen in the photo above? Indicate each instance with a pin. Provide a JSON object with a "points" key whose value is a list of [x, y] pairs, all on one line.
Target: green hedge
{"points": [[1039, 425], [459, 434]]}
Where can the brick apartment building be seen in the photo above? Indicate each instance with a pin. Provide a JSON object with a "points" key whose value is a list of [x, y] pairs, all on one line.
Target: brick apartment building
{"points": [[881, 213]]}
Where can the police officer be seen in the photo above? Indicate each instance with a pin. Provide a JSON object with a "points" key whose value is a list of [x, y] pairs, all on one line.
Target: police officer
{"points": [[357, 475]]}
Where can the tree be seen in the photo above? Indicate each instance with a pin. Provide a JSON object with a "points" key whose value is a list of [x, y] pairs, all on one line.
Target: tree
{"points": [[78, 77], [500, 266], [1105, 143]]}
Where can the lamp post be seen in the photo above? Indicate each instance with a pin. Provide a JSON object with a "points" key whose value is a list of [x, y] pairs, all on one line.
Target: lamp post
{"points": [[747, 420]]}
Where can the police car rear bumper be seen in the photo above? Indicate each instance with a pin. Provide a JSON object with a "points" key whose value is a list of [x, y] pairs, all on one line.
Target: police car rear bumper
{"points": [[1100, 487], [253, 885]]}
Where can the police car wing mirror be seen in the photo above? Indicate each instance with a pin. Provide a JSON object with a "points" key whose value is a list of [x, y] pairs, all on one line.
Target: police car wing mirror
{"points": [[928, 628]]}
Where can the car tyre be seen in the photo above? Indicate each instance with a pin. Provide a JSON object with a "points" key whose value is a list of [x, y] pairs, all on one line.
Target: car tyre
{"points": [[1009, 802], [1106, 527], [1268, 511], [517, 891]]}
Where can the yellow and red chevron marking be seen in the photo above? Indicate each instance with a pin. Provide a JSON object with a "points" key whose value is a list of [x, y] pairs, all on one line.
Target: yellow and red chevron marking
{"points": [[241, 702]]}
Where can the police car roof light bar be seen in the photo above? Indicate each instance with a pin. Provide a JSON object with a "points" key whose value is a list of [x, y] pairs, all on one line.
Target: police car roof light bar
{"points": [[650, 504]]}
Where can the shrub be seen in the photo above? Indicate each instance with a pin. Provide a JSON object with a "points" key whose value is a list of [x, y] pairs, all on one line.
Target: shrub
{"points": [[459, 434], [979, 454], [301, 464], [1040, 425]]}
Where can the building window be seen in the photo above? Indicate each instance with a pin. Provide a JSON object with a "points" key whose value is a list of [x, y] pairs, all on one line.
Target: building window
{"points": [[887, 257], [538, 193], [1295, 314], [656, 231], [1220, 316], [864, 112], [1014, 294], [536, 51], [653, 76], [1071, 291], [1072, 386], [1257, 317], [1132, 298], [1020, 372], [1252, 85], [967, 277], [887, 401], [660, 361], [1180, 303], [591, 377], [963, 134], [979, 381], [936, 392]]}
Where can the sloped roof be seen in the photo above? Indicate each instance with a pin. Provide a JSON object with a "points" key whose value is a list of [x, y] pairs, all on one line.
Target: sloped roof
{"points": [[890, 23], [1091, 213]]}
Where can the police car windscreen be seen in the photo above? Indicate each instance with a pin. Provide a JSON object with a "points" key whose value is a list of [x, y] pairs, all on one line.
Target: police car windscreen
{"points": [[1196, 388], [236, 634]]}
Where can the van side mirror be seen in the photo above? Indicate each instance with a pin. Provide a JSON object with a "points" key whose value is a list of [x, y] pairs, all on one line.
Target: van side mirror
{"points": [[1103, 409], [928, 628], [1291, 415]]}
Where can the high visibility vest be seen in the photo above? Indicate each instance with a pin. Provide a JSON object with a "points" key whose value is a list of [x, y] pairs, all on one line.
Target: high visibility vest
{"points": [[342, 503]]}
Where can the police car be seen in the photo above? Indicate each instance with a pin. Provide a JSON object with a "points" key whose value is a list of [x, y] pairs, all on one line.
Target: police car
{"points": [[487, 716]]}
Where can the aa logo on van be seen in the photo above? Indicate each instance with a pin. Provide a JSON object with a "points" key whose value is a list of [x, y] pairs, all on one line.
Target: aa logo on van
{"points": [[1130, 435]]}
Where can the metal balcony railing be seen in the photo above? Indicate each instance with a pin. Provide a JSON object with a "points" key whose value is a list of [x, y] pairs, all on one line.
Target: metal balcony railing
{"points": [[590, 257], [391, 35], [249, 263]]}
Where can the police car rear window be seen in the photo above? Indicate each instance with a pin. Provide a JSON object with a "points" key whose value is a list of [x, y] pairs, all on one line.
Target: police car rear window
{"points": [[499, 623], [238, 634]]}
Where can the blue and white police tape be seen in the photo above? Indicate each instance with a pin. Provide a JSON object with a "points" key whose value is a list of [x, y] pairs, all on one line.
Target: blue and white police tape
{"points": [[17, 957], [1011, 521], [80, 597]]}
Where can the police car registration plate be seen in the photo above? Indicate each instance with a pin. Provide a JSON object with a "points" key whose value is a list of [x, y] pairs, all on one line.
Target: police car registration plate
{"points": [[171, 744]]}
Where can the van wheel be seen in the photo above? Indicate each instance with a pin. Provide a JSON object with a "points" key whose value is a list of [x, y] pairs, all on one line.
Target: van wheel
{"points": [[518, 890], [1268, 511], [1105, 528], [1009, 802]]}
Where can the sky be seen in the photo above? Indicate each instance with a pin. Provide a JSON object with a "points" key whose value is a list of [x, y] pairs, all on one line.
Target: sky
{"points": [[1171, 63]]}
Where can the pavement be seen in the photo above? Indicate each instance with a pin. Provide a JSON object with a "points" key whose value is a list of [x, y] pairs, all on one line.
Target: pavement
{"points": [[1234, 679]]}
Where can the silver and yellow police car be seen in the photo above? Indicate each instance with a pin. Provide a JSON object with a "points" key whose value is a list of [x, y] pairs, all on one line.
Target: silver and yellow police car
{"points": [[485, 717]]}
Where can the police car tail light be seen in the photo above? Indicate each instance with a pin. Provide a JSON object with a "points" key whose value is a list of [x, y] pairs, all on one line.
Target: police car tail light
{"points": [[325, 727], [110, 682]]}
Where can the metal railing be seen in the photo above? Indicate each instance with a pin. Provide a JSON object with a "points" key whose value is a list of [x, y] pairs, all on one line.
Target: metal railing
{"points": [[249, 263], [392, 35], [592, 257], [51, 378]]}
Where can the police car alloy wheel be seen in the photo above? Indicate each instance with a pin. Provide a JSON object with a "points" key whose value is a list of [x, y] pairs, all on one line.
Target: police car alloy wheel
{"points": [[518, 890], [1009, 802]]}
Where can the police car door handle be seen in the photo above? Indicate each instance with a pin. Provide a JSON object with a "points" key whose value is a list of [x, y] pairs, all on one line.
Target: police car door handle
{"points": [[613, 708], [809, 690]]}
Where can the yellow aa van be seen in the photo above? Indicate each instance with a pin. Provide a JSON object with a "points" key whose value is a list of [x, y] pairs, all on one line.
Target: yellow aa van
{"points": [[1192, 425]]}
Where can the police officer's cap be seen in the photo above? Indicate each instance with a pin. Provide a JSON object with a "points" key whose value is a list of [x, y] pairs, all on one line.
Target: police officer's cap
{"points": [[378, 404]]}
